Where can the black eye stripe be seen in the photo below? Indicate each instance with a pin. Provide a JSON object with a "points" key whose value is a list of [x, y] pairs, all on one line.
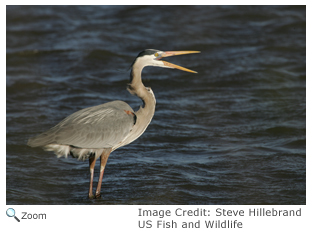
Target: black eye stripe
{"points": [[147, 52]]}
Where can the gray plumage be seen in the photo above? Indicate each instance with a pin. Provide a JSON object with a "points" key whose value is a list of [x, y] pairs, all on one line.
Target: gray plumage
{"points": [[97, 131], [97, 127]]}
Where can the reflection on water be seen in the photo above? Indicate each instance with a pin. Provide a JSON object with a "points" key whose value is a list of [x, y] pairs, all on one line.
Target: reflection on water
{"points": [[232, 134]]}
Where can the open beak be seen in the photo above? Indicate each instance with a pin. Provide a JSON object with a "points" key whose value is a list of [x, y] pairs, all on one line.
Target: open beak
{"points": [[176, 53]]}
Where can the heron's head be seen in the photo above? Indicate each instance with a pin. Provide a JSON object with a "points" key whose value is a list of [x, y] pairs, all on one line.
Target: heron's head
{"points": [[152, 57]]}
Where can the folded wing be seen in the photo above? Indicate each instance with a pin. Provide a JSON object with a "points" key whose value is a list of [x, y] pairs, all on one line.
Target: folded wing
{"points": [[102, 126]]}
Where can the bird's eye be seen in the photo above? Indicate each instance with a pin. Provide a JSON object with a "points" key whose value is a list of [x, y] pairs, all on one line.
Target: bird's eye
{"points": [[156, 54]]}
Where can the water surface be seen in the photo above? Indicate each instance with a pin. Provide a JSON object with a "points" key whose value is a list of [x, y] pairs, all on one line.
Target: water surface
{"points": [[235, 133]]}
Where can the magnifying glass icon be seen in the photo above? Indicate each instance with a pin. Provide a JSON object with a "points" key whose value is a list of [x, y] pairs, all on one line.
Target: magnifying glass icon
{"points": [[11, 213]]}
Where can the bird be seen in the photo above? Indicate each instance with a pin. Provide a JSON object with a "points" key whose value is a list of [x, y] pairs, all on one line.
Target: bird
{"points": [[95, 132]]}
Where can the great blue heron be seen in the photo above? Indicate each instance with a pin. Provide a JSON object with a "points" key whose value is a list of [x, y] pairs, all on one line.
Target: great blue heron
{"points": [[97, 131]]}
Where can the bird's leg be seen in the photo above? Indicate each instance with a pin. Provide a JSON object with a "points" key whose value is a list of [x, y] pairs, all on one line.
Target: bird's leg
{"points": [[91, 164], [104, 158]]}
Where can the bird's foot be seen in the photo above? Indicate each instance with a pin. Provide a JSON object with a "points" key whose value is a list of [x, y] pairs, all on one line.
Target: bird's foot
{"points": [[97, 196], [91, 196]]}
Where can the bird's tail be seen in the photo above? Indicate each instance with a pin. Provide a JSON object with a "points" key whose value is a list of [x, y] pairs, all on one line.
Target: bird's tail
{"points": [[39, 140]]}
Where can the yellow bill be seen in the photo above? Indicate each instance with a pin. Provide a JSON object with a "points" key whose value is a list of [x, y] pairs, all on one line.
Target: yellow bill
{"points": [[176, 53], [177, 67]]}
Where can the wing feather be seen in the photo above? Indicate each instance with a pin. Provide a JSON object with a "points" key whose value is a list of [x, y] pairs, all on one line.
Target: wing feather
{"points": [[101, 126]]}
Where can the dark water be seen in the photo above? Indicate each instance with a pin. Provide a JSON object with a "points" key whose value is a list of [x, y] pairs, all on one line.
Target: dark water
{"points": [[235, 133]]}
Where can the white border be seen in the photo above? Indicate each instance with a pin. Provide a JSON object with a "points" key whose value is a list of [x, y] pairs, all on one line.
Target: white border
{"points": [[103, 217]]}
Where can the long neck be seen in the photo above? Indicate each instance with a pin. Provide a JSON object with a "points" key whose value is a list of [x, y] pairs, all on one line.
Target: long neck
{"points": [[137, 88], [146, 112]]}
